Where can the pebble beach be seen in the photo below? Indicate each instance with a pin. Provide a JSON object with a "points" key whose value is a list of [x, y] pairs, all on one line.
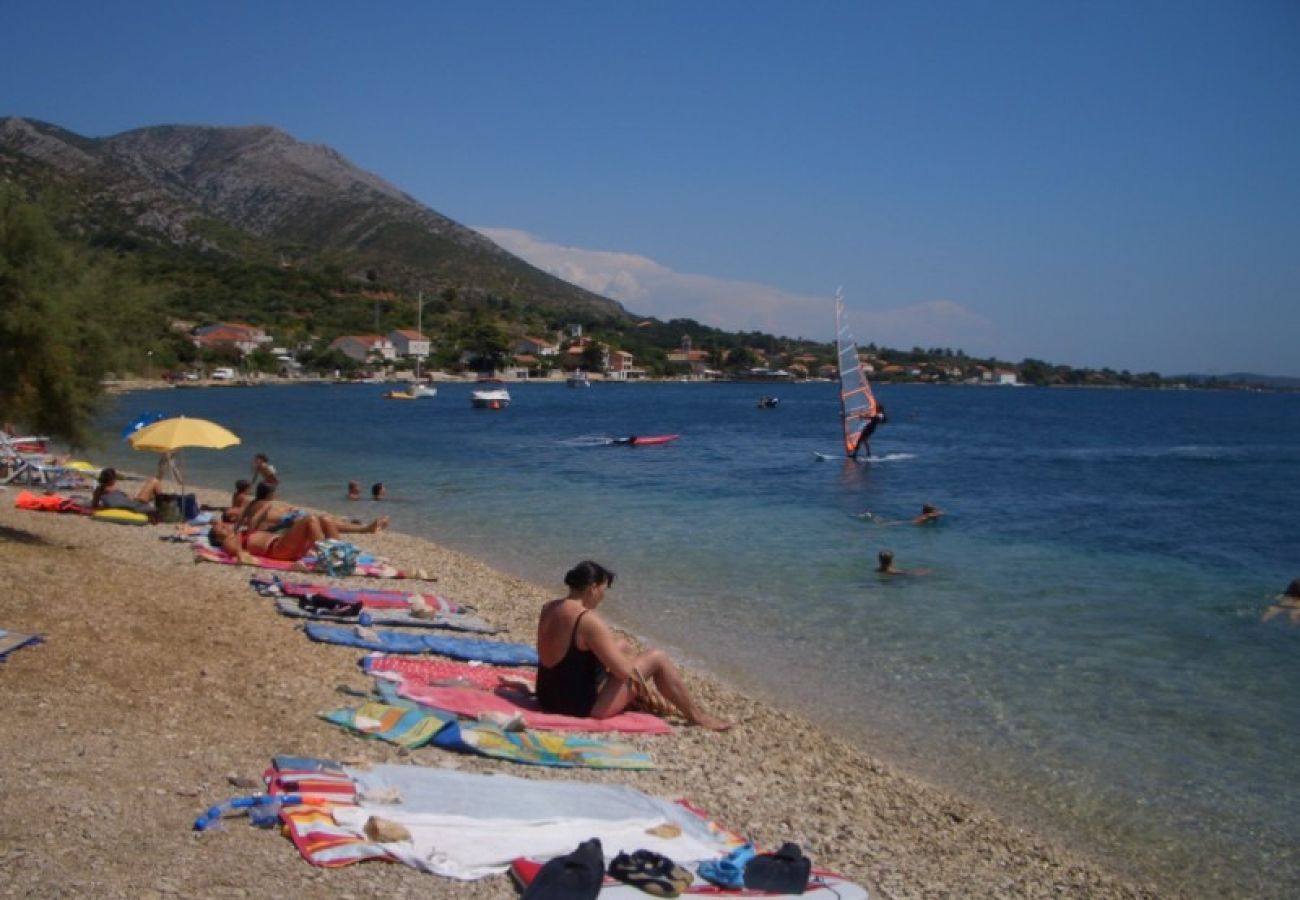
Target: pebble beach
{"points": [[164, 686]]}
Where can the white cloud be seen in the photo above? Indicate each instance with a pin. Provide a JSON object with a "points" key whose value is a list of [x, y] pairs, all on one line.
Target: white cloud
{"points": [[648, 288]]}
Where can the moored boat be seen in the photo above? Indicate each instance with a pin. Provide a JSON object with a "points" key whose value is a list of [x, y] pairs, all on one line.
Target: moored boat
{"points": [[490, 393]]}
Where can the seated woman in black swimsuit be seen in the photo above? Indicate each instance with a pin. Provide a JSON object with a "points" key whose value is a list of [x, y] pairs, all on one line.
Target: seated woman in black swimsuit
{"points": [[584, 669]]}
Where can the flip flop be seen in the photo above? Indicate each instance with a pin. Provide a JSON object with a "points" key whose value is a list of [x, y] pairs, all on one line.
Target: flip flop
{"points": [[651, 872], [574, 876]]}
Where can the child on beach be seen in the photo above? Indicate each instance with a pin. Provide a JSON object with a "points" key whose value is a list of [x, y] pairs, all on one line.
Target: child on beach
{"points": [[584, 669]]}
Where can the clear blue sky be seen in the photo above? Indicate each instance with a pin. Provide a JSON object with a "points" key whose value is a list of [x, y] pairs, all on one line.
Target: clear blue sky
{"points": [[1098, 184]]}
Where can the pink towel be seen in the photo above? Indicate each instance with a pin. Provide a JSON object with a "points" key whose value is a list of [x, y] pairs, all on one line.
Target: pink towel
{"points": [[471, 702], [419, 670]]}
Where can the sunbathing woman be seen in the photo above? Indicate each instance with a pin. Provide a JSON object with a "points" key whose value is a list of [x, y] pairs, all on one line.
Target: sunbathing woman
{"points": [[584, 669], [291, 545], [108, 495]]}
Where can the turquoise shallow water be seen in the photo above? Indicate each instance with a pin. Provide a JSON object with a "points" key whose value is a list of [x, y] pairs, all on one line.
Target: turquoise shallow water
{"points": [[1084, 652]]}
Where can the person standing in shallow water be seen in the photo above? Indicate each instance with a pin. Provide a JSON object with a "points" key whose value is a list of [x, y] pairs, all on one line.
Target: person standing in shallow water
{"points": [[584, 669], [1288, 604]]}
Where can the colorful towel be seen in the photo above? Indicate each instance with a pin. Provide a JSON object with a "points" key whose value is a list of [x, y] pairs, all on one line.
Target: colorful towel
{"points": [[446, 672], [14, 640], [396, 618], [370, 598], [375, 569], [406, 726], [498, 652], [472, 703], [564, 751]]}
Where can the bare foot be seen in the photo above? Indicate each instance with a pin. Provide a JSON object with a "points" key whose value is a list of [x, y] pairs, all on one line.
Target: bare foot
{"points": [[378, 525], [712, 723]]}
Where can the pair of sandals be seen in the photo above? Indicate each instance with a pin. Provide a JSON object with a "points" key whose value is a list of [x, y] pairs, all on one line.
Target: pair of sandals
{"points": [[652, 872]]}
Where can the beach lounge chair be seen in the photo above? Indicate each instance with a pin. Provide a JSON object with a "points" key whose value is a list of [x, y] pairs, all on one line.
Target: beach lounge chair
{"points": [[19, 466]]}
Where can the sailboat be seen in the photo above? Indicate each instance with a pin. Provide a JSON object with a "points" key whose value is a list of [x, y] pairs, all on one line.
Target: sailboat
{"points": [[418, 389], [857, 403]]}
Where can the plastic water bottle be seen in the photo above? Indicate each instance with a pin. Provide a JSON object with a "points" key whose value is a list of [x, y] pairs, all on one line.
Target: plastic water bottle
{"points": [[263, 810]]}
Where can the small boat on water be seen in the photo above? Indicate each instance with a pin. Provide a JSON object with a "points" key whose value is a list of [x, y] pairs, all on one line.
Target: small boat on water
{"points": [[490, 393], [578, 380], [399, 395], [645, 440], [422, 390], [768, 402]]}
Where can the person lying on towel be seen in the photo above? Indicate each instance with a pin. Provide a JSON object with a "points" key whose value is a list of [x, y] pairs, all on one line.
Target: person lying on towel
{"points": [[108, 495], [584, 669], [265, 513], [291, 545]]}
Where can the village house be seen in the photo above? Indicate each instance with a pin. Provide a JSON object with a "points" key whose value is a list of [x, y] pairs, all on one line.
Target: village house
{"points": [[364, 347], [535, 347], [407, 342], [244, 338], [621, 367]]}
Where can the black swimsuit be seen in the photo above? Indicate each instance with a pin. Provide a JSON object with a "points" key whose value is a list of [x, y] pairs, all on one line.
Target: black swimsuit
{"points": [[570, 686]]}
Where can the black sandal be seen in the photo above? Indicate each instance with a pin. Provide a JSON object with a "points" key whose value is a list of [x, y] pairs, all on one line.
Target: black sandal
{"points": [[652, 872]]}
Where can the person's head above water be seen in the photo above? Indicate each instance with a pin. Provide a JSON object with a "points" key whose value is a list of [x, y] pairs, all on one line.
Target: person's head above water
{"points": [[886, 558], [1293, 589], [587, 573], [377, 491]]}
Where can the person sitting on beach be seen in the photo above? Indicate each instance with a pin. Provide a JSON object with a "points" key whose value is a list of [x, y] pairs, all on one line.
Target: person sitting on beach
{"points": [[354, 490], [264, 471], [238, 500], [290, 545], [265, 513], [584, 669], [928, 514], [108, 495], [1288, 604]]}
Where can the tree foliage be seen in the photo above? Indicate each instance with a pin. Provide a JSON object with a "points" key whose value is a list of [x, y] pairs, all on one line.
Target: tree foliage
{"points": [[56, 341]]}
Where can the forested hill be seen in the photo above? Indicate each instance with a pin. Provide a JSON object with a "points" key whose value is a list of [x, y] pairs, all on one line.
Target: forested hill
{"points": [[256, 196]]}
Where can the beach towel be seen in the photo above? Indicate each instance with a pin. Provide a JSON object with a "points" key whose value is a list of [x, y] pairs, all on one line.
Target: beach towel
{"points": [[376, 568], [406, 726], [370, 598], [447, 672], [15, 640], [498, 652], [533, 748], [469, 826], [396, 618], [473, 703]]}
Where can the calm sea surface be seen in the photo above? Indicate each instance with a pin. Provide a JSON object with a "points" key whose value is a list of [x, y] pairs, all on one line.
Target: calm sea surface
{"points": [[1085, 650]]}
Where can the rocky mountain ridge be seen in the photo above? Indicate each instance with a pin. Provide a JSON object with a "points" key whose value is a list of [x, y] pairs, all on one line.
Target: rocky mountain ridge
{"points": [[306, 201]]}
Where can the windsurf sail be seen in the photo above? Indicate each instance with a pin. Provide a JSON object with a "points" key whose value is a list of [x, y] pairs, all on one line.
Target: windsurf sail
{"points": [[857, 403]]}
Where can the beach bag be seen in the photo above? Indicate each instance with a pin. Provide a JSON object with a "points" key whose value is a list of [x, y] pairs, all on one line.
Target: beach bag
{"points": [[168, 506], [337, 557]]}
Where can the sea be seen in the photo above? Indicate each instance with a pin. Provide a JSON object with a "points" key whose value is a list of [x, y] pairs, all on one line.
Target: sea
{"points": [[1078, 645]]}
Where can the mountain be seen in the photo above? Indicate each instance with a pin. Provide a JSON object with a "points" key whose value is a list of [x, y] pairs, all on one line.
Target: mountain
{"points": [[257, 195]]}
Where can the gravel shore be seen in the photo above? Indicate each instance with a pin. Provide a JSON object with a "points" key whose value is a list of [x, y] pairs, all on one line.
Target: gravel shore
{"points": [[164, 685]]}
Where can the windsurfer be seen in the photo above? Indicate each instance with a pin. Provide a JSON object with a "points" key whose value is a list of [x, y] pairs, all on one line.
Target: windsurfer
{"points": [[874, 421]]}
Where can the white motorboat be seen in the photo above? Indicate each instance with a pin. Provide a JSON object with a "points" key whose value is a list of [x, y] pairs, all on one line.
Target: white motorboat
{"points": [[490, 393], [578, 380]]}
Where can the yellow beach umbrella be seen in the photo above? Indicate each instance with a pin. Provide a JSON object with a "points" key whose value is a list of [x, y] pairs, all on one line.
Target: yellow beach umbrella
{"points": [[169, 435]]}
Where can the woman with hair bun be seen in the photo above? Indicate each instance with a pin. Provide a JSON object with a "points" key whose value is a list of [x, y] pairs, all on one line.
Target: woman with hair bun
{"points": [[584, 669]]}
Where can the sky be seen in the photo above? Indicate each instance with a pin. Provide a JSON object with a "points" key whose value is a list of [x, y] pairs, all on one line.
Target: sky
{"points": [[1100, 184]]}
